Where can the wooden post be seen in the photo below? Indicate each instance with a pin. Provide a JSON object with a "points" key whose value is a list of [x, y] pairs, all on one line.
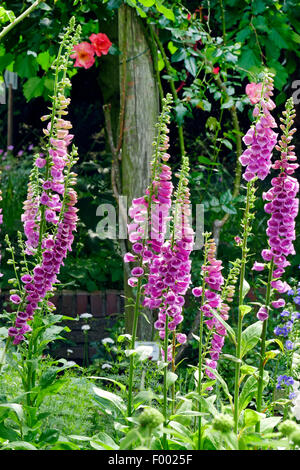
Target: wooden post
{"points": [[141, 98]]}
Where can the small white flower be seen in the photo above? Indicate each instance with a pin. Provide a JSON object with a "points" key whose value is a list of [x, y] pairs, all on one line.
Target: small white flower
{"points": [[70, 351], [108, 340], [85, 315], [106, 366], [85, 327]]}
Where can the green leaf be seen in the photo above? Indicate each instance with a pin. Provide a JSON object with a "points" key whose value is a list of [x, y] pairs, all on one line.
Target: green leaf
{"points": [[8, 433], [114, 4], [250, 337], [222, 382], [6, 15], [244, 309], [104, 441], [229, 329], [246, 288], [49, 436], [179, 55], [5, 60], [277, 39], [45, 60], [268, 424], [165, 11], [119, 384], [249, 59], [33, 88], [16, 408], [250, 390], [26, 66], [129, 439], [251, 417], [181, 111], [147, 3], [65, 445], [243, 34], [231, 358], [277, 341], [48, 377], [141, 12], [20, 445], [110, 403], [206, 161], [144, 396], [229, 209], [229, 103], [191, 65], [248, 370], [171, 378]]}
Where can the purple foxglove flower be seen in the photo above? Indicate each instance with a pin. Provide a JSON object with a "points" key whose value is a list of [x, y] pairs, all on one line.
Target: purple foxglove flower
{"points": [[16, 299], [258, 266], [278, 303], [262, 314], [137, 272]]}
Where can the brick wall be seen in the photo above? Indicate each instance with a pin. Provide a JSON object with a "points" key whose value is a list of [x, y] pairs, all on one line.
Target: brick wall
{"points": [[105, 306]]}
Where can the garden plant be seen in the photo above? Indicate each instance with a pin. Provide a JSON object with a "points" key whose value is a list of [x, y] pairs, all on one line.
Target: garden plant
{"points": [[205, 354]]}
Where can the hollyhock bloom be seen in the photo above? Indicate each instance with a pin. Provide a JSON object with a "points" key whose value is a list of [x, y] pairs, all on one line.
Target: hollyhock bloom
{"points": [[84, 55], [260, 138], [100, 43]]}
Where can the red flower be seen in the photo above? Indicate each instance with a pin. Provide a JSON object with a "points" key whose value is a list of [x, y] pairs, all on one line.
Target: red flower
{"points": [[216, 70], [100, 43], [84, 55]]}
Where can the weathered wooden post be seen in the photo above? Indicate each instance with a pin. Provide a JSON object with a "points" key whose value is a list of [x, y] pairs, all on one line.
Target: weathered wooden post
{"points": [[139, 92]]}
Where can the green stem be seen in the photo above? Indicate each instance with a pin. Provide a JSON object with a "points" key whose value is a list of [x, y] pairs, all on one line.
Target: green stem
{"points": [[133, 339], [173, 370], [200, 352], [241, 298], [21, 17], [165, 392], [263, 345]]}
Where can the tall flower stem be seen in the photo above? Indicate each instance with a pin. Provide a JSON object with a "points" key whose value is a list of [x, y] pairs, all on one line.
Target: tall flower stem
{"points": [[165, 387], [263, 345], [132, 346], [246, 230], [200, 350], [173, 370]]}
